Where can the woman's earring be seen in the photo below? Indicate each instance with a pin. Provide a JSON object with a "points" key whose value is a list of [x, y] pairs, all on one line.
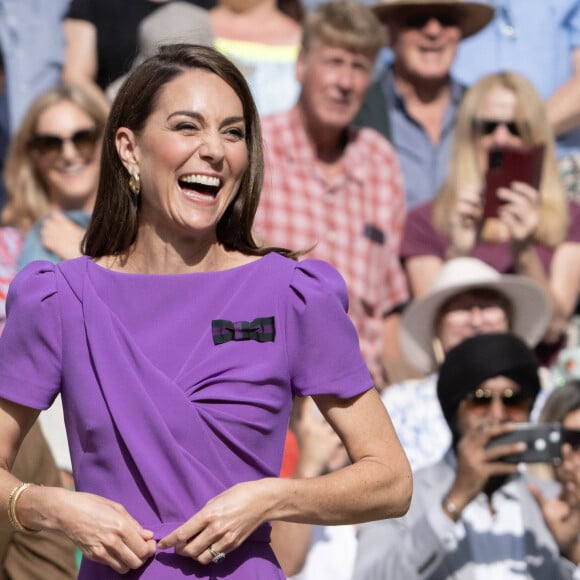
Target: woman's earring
{"points": [[135, 183]]}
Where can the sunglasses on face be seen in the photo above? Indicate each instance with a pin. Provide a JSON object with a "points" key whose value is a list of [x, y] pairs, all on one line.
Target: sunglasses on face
{"points": [[51, 146], [418, 20], [482, 398], [571, 436], [489, 126]]}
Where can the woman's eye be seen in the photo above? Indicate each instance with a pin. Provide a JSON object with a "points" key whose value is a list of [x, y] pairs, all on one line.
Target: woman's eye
{"points": [[236, 133], [186, 127]]}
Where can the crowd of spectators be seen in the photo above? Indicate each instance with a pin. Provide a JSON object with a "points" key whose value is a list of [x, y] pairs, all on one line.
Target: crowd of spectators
{"points": [[383, 122]]}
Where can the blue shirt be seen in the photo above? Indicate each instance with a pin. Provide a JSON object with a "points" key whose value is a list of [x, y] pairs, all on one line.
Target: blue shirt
{"points": [[424, 164], [532, 37], [32, 41]]}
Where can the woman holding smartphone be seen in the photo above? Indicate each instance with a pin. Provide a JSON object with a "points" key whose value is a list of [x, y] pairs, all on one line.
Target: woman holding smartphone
{"points": [[536, 230]]}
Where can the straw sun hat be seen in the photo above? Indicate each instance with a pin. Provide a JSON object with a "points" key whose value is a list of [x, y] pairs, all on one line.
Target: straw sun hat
{"points": [[531, 307], [472, 16]]}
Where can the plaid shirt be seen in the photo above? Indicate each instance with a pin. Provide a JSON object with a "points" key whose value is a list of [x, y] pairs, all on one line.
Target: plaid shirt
{"points": [[355, 221]]}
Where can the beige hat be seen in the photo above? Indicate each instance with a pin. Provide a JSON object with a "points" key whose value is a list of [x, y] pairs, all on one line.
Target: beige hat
{"points": [[531, 307], [472, 16]]}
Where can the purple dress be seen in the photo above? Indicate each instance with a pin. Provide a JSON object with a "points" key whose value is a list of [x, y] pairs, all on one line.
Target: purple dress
{"points": [[176, 387]]}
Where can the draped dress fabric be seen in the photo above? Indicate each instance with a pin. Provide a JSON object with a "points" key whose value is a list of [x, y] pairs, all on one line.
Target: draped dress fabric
{"points": [[160, 417]]}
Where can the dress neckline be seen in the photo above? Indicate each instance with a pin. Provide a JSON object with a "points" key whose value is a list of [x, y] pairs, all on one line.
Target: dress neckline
{"points": [[132, 275]]}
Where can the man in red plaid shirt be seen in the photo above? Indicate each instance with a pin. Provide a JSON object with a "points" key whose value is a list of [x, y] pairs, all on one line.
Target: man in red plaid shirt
{"points": [[332, 187]]}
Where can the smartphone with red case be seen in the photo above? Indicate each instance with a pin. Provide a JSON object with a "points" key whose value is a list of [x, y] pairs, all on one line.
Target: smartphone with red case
{"points": [[508, 164]]}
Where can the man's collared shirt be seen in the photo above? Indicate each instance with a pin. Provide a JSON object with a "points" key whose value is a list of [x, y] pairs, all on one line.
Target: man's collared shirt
{"points": [[534, 38], [354, 221], [424, 163]]}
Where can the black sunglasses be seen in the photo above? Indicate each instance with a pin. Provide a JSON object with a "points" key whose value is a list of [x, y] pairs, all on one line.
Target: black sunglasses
{"points": [[509, 398], [489, 126], [83, 140], [571, 436], [418, 20]]}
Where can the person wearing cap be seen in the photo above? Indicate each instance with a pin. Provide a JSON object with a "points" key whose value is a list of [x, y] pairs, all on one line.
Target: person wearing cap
{"points": [[414, 100], [473, 514], [333, 190], [468, 298]]}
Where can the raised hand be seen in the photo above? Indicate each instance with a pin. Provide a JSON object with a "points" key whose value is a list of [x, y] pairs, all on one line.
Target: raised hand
{"points": [[476, 464], [465, 222], [519, 212], [61, 235]]}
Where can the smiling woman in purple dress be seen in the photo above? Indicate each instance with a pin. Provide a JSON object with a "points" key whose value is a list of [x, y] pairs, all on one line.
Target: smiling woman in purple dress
{"points": [[178, 345]]}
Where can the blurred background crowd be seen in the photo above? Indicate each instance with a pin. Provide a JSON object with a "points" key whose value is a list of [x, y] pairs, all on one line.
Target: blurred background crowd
{"points": [[430, 150]]}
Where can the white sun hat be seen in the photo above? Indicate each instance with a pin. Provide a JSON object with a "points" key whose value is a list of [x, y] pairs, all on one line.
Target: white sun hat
{"points": [[531, 307]]}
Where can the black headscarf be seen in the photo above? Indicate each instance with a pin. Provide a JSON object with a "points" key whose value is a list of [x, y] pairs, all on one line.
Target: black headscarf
{"points": [[483, 357]]}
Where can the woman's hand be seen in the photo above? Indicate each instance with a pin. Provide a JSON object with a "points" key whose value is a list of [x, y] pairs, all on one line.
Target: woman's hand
{"points": [[465, 222], [519, 212], [103, 530], [223, 523], [61, 235]]}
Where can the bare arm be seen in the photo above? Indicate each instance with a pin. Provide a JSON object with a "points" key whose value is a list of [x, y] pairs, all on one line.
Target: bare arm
{"points": [[80, 58], [376, 485], [564, 105], [421, 272], [102, 529]]}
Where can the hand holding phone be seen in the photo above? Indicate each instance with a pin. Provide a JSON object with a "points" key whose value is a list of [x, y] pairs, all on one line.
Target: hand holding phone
{"points": [[543, 443], [508, 164]]}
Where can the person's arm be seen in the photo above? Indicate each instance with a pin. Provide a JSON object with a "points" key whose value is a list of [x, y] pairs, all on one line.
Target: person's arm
{"points": [[520, 214], [102, 529], [376, 485], [563, 106], [80, 58], [318, 443], [421, 271]]}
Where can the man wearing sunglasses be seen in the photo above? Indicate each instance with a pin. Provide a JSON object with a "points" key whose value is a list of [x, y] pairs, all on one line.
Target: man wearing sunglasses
{"points": [[472, 514], [414, 100], [468, 297]]}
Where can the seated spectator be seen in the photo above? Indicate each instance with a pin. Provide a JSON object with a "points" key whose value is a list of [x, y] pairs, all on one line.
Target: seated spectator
{"points": [[51, 175], [334, 189], [473, 514], [414, 100], [541, 41], [537, 231], [468, 298], [263, 41]]}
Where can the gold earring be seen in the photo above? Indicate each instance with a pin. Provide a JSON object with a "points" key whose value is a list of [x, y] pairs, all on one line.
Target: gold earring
{"points": [[135, 183]]}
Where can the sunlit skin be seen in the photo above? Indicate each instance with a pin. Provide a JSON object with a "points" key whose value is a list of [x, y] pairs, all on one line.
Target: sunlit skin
{"points": [[70, 179], [498, 105], [468, 314], [334, 81], [196, 132], [425, 53]]}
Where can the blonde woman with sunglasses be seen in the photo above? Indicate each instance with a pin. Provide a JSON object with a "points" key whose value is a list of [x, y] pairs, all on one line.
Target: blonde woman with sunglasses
{"points": [[536, 232], [51, 173]]}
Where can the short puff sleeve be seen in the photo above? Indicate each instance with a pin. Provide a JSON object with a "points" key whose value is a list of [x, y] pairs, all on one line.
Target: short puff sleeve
{"points": [[322, 344], [30, 346]]}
